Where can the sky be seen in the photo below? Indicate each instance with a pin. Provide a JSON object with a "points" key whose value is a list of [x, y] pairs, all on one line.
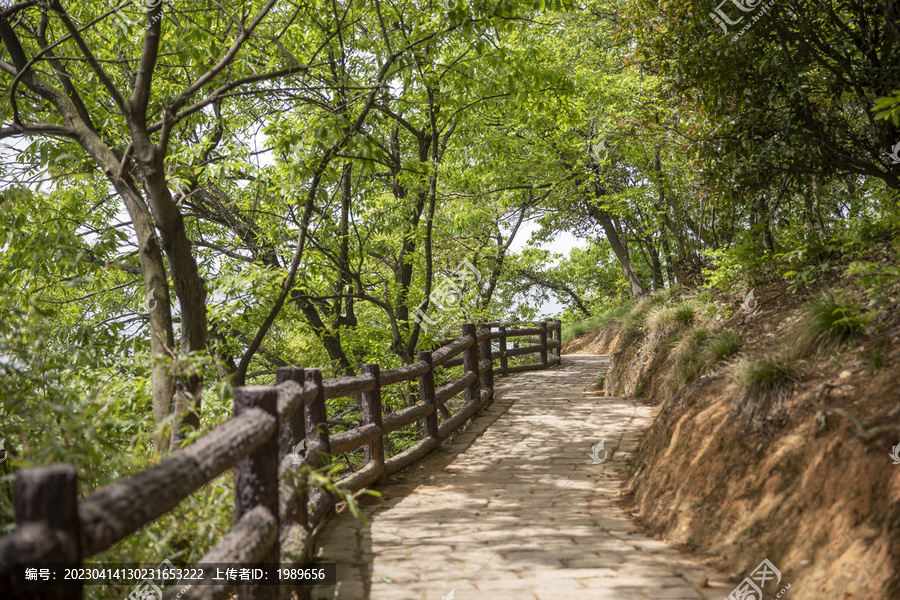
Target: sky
{"points": [[562, 243]]}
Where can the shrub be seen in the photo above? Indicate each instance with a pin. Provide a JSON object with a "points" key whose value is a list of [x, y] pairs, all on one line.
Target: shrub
{"points": [[880, 281], [745, 264]]}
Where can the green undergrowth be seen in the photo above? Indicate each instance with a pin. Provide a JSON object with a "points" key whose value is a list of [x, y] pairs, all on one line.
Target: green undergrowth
{"points": [[601, 320]]}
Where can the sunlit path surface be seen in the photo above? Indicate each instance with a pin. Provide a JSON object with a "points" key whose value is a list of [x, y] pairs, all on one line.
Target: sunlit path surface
{"points": [[516, 509]]}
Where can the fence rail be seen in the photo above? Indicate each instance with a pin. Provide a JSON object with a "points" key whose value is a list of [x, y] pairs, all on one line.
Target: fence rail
{"points": [[276, 513]]}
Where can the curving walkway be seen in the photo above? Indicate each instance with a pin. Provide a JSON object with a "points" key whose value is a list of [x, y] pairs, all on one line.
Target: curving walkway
{"points": [[515, 508]]}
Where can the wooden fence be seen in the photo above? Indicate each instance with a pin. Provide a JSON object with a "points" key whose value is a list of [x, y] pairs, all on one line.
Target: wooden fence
{"points": [[276, 517]]}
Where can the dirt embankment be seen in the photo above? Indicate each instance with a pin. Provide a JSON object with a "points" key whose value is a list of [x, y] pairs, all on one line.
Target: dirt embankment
{"points": [[810, 485]]}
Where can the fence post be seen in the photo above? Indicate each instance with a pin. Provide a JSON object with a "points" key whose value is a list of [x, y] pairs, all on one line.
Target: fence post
{"points": [[318, 447], [316, 426], [487, 378], [504, 362], [470, 364], [426, 395], [557, 335], [256, 479], [49, 496], [293, 432], [371, 413], [543, 341]]}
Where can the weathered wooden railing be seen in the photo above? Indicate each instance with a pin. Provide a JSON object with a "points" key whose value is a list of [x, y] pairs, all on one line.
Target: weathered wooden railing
{"points": [[275, 518]]}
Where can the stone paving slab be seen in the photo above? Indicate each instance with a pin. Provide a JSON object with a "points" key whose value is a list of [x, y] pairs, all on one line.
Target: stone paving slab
{"points": [[515, 508]]}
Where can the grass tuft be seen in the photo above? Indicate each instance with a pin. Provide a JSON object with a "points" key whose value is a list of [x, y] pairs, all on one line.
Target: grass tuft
{"points": [[669, 318], [764, 373], [836, 318], [637, 317], [689, 367], [660, 318], [724, 345], [764, 386], [828, 319], [685, 314], [689, 359]]}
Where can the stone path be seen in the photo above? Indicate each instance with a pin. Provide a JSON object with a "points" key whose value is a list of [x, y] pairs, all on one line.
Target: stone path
{"points": [[514, 508]]}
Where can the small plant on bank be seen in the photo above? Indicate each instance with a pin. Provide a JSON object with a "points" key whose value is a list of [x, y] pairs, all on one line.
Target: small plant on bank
{"points": [[697, 337], [829, 319], [685, 314], [615, 314], [689, 367], [766, 373], [689, 360], [637, 317], [665, 319], [724, 345], [659, 318], [764, 385], [600, 381], [875, 357]]}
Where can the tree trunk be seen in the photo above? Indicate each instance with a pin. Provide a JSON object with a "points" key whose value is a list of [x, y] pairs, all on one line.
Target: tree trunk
{"points": [[655, 267], [188, 288], [621, 252], [667, 251], [158, 305]]}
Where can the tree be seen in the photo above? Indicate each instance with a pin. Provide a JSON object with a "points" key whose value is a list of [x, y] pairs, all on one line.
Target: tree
{"points": [[150, 103]]}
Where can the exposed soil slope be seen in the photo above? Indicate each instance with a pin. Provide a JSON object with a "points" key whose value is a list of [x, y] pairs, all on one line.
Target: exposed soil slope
{"points": [[806, 487]]}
